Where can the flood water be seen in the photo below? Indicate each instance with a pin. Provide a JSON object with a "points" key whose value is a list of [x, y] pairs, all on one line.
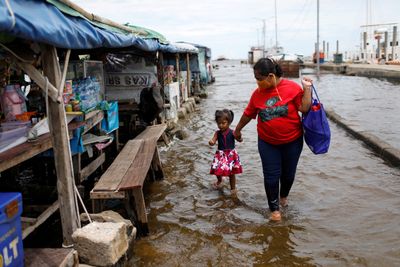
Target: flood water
{"points": [[344, 207]]}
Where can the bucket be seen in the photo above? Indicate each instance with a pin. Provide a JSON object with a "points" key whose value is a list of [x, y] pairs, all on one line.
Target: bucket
{"points": [[12, 103]]}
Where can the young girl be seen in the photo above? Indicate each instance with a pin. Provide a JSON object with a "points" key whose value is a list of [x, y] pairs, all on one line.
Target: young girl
{"points": [[226, 160]]}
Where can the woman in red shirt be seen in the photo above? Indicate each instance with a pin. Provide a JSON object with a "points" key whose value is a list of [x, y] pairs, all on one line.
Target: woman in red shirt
{"points": [[277, 102]]}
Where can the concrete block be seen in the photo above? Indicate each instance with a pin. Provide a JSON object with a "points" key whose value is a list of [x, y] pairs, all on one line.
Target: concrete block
{"points": [[182, 113], [101, 244], [109, 216]]}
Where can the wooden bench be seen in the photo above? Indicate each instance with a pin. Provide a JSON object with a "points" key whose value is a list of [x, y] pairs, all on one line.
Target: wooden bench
{"points": [[124, 178]]}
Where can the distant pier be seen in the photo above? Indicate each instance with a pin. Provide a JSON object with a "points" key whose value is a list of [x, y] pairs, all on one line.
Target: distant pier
{"points": [[391, 72]]}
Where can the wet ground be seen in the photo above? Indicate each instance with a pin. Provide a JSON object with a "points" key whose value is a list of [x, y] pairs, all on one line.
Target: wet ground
{"points": [[344, 208]]}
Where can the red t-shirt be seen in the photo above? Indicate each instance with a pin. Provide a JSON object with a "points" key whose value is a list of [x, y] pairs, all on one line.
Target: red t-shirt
{"points": [[277, 110]]}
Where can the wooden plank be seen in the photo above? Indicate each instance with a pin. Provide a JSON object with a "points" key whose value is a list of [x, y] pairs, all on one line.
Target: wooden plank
{"points": [[152, 132], [140, 209], [41, 81], [23, 152], [50, 257], [137, 171], [62, 154], [157, 166], [111, 179], [107, 194], [94, 120], [27, 150], [41, 219], [139, 168], [28, 220], [91, 114], [165, 138], [91, 167]]}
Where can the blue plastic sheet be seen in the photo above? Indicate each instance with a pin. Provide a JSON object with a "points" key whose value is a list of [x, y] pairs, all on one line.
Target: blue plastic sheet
{"points": [[43, 22]]}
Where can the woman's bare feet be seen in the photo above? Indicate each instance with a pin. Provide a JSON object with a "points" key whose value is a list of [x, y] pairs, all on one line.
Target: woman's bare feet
{"points": [[284, 201], [275, 216]]}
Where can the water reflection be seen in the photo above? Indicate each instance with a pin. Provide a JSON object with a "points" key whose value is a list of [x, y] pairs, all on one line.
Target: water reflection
{"points": [[343, 209]]}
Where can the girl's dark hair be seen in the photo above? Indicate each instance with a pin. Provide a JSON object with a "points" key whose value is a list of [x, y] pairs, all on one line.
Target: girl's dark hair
{"points": [[266, 66], [224, 114]]}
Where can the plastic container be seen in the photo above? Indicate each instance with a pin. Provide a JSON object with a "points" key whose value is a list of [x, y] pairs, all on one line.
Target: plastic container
{"points": [[11, 248], [12, 102]]}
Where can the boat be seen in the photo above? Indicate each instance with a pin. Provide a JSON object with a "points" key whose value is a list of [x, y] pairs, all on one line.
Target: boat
{"points": [[221, 58]]}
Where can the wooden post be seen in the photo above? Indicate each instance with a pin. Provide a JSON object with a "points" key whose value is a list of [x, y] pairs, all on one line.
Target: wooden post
{"points": [[62, 154], [160, 70], [189, 75], [178, 76]]}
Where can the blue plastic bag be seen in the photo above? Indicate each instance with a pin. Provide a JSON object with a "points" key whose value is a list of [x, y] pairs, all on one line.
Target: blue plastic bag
{"points": [[317, 133], [111, 119]]}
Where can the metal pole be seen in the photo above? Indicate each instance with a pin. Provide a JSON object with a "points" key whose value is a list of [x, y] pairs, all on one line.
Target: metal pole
{"points": [[378, 54], [317, 48], [337, 46], [327, 51], [394, 41], [386, 45]]}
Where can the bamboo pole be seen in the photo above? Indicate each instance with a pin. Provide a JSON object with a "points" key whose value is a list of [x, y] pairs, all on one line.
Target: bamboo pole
{"points": [[62, 154], [93, 17]]}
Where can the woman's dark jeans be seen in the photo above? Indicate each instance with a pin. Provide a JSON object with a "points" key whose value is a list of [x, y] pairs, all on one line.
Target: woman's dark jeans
{"points": [[279, 164]]}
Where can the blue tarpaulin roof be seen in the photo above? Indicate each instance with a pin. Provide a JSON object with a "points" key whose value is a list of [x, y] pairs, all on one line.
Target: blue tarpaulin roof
{"points": [[43, 22]]}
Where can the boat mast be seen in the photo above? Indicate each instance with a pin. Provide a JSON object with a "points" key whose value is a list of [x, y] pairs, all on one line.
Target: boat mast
{"points": [[263, 38], [276, 28]]}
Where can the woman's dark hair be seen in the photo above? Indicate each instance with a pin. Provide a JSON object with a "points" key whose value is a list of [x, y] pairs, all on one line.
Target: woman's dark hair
{"points": [[266, 66], [224, 114]]}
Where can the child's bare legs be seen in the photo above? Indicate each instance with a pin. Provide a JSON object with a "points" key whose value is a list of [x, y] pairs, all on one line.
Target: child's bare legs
{"points": [[219, 180], [217, 184], [232, 182]]}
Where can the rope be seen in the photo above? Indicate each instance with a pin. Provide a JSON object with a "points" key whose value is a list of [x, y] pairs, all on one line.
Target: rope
{"points": [[276, 89], [11, 13], [83, 205]]}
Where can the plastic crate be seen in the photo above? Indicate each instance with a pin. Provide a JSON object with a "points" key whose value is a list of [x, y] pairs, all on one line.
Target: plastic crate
{"points": [[11, 248]]}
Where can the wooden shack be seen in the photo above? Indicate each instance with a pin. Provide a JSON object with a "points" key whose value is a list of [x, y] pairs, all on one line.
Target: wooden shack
{"points": [[38, 39]]}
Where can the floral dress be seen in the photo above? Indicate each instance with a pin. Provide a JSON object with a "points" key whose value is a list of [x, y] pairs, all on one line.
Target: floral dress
{"points": [[226, 159]]}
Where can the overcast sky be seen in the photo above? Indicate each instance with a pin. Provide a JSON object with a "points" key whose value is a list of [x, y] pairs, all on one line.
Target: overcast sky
{"points": [[231, 27]]}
